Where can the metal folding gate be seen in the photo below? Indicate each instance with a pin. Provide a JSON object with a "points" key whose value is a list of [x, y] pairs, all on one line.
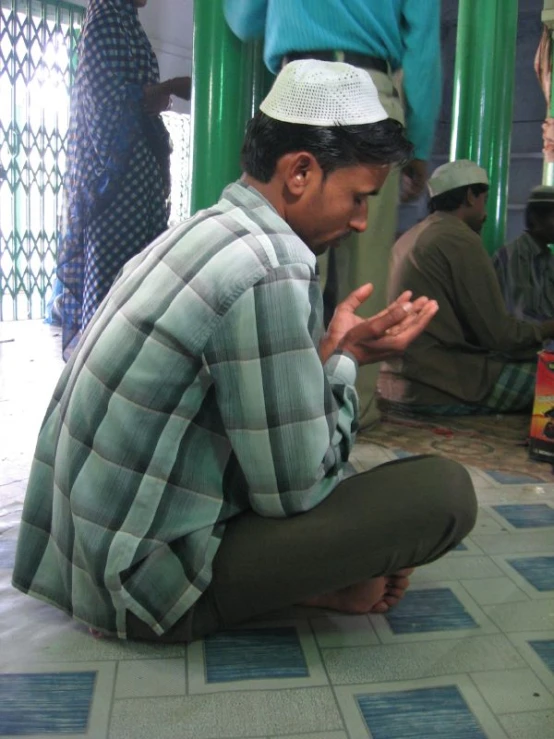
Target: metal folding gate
{"points": [[37, 60]]}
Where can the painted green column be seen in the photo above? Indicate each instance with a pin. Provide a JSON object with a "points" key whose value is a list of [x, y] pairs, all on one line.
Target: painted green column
{"points": [[227, 84], [483, 99]]}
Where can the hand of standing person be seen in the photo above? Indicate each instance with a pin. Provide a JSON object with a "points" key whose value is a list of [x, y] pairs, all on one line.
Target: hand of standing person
{"points": [[414, 178], [157, 98]]}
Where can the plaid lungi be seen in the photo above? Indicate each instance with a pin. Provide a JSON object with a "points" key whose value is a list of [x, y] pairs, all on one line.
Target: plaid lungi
{"points": [[513, 391]]}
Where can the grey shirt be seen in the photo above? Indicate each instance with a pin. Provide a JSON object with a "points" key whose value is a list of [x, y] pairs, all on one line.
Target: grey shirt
{"points": [[526, 275]]}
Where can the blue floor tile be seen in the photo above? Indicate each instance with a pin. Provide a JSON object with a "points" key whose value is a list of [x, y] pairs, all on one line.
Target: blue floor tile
{"points": [[435, 609], [254, 654], [45, 703], [539, 571], [419, 714], [505, 478], [527, 516], [460, 548], [545, 649]]}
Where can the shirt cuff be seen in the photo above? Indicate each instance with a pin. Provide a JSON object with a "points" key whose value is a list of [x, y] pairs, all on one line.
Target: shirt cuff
{"points": [[342, 367]]}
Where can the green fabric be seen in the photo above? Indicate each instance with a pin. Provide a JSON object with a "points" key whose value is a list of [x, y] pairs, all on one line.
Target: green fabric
{"points": [[196, 393], [515, 388], [405, 513], [513, 392], [365, 257], [461, 354]]}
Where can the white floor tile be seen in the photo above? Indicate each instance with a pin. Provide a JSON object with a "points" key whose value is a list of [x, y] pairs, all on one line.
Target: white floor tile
{"points": [[494, 590], [528, 725], [150, 678], [508, 691], [227, 715], [421, 660]]}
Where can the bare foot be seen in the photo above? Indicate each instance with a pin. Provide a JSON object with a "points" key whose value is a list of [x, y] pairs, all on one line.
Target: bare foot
{"points": [[373, 596], [397, 585]]}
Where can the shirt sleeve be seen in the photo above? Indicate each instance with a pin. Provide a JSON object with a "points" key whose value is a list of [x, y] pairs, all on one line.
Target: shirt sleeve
{"points": [[290, 420], [482, 307], [246, 18], [422, 72]]}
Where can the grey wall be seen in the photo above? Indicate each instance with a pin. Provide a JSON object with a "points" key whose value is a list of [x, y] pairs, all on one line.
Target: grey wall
{"points": [[529, 105], [528, 113]]}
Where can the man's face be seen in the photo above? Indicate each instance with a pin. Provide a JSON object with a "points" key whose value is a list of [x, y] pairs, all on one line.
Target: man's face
{"points": [[332, 208], [546, 227], [478, 212]]}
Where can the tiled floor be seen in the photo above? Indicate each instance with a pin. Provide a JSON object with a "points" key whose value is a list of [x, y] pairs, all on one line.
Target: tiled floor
{"points": [[469, 654]]}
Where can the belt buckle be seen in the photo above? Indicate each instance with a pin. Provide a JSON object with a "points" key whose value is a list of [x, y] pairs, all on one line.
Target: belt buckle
{"points": [[338, 56]]}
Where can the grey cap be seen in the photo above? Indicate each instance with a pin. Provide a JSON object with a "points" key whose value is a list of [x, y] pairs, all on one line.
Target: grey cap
{"points": [[542, 194], [451, 175]]}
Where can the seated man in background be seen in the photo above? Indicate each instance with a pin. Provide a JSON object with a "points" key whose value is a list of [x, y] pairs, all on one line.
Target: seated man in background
{"points": [[525, 268], [189, 471], [473, 357]]}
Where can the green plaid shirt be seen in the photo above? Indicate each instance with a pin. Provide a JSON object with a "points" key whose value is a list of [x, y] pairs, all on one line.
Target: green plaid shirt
{"points": [[196, 393]]}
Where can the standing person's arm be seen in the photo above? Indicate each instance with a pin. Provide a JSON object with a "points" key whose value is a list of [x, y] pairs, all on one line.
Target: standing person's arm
{"points": [[422, 86], [246, 18], [156, 98]]}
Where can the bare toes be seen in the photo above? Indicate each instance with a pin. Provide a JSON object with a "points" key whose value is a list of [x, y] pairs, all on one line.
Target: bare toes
{"points": [[397, 593], [381, 607]]}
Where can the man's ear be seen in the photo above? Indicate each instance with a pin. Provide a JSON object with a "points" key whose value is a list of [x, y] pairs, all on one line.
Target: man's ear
{"points": [[299, 171], [470, 197]]}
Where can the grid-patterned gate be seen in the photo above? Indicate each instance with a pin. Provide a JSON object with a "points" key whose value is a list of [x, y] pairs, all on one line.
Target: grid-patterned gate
{"points": [[37, 59]]}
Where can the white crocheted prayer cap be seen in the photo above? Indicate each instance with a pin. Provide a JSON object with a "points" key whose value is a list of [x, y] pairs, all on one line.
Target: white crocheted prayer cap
{"points": [[451, 175], [316, 93]]}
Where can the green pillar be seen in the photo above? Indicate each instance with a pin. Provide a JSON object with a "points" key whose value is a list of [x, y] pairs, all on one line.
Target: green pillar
{"points": [[483, 99], [227, 83]]}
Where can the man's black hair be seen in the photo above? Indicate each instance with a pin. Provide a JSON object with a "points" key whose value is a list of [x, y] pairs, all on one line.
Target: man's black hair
{"points": [[453, 199], [334, 147], [537, 212]]}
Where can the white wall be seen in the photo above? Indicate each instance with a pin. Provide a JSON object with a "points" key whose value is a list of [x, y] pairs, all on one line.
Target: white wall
{"points": [[168, 24]]}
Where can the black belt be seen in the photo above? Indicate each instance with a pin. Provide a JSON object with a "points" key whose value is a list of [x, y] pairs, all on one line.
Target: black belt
{"points": [[349, 57]]}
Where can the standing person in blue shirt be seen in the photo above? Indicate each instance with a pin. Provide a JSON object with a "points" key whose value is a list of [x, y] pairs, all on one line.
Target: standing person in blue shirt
{"points": [[384, 37]]}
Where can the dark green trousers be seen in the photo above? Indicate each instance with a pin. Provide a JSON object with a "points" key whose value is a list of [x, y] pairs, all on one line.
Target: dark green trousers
{"points": [[400, 514]]}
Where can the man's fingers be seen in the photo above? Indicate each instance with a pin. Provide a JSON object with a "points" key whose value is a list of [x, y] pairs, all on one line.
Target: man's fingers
{"points": [[418, 318], [356, 298], [378, 325], [400, 300], [396, 326]]}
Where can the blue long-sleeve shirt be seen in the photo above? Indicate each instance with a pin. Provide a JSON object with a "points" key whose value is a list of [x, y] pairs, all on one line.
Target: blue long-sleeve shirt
{"points": [[403, 32]]}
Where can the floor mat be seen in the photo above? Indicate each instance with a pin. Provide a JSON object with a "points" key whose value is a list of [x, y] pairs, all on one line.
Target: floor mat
{"points": [[489, 442]]}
